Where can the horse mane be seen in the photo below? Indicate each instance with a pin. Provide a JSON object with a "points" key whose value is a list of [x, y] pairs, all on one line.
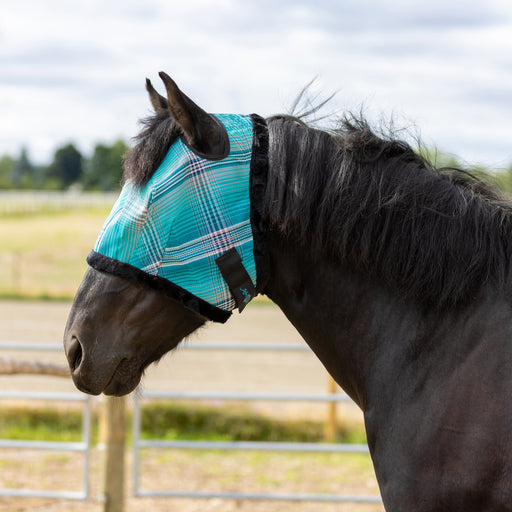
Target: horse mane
{"points": [[373, 203], [151, 145]]}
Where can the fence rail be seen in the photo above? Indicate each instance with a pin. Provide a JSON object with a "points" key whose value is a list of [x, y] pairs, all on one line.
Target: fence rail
{"points": [[257, 446], [345, 498], [16, 346], [264, 397], [32, 201]]}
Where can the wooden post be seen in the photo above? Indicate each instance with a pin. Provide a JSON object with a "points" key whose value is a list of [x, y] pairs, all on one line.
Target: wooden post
{"points": [[112, 439], [330, 423]]}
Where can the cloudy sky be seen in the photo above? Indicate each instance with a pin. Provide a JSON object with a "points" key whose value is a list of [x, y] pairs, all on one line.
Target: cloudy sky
{"points": [[75, 71]]}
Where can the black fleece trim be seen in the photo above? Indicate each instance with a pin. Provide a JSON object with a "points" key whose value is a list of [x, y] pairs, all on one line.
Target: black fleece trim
{"points": [[118, 268], [257, 189]]}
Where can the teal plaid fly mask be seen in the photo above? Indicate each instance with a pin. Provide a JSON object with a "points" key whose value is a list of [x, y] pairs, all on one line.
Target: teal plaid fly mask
{"points": [[194, 230]]}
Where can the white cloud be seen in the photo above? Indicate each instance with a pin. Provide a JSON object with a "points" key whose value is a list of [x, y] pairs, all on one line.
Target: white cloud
{"points": [[76, 70]]}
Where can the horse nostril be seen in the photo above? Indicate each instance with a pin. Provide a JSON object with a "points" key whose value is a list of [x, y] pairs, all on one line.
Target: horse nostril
{"points": [[75, 355]]}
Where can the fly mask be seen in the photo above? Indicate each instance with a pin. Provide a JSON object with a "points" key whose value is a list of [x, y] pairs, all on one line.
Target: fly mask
{"points": [[195, 230]]}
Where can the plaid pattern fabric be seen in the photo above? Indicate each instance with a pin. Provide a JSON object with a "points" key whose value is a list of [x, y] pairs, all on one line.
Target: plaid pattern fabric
{"points": [[190, 212]]}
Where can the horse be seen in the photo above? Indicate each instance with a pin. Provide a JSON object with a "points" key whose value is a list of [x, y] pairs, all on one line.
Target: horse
{"points": [[396, 274]]}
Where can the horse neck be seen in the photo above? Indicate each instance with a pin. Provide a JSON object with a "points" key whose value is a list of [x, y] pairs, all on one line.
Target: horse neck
{"points": [[365, 334], [330, 307], [351, 323]]}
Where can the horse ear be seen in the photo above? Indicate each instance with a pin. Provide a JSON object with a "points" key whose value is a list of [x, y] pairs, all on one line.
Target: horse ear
{"points": [[158, 101], [201, 130]]}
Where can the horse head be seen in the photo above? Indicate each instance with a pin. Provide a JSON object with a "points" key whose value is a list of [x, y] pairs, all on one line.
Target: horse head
{"points": [[123, 318]]}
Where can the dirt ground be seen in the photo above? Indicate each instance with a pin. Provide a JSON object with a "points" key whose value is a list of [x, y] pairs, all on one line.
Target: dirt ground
{"points": [[183, 471], [194, 370]]}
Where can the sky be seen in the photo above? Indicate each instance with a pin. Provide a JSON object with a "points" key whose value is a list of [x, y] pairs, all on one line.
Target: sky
{"points": [[75, 71]]}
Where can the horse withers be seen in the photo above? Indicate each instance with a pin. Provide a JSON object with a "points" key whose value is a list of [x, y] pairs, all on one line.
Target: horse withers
{"points": [[395, 273]]}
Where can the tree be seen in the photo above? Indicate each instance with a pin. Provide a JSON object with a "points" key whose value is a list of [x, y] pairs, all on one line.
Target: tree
{"points": [[22, 171], [105, 168], [439, 158], [6, 165], [66, 167]]}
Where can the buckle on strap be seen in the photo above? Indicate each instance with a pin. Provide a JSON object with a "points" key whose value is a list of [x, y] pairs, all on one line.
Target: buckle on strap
{"points": [[237, 278]]}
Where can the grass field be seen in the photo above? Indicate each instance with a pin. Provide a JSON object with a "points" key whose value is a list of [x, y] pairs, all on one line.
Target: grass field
{"points": [[176, 421], [42, 255]]}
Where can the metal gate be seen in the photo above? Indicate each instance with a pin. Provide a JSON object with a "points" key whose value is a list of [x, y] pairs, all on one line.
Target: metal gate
{"points": [[139, 444], [82, 447]]}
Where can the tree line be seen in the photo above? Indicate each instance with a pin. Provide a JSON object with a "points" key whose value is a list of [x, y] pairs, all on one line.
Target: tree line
{"points": [[101, 171]]}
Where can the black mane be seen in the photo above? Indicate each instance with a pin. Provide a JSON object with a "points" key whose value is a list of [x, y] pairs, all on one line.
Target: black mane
{"points": [[151, 146], [434, 235], [372, 203]]}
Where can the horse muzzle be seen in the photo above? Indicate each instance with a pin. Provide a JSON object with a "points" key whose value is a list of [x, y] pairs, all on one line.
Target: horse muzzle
{"points": [[94, 374]]}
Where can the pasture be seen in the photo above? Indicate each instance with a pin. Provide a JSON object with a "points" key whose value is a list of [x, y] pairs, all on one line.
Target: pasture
{"points": [[42, 254]]}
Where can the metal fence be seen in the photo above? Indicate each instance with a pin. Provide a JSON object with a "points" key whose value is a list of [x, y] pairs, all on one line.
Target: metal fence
{"points": [[139, 444], [32, 201], [82, 447]]}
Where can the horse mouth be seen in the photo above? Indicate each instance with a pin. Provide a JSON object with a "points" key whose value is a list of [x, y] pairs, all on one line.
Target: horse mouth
{"points": [[120, 383], [125, 378]]}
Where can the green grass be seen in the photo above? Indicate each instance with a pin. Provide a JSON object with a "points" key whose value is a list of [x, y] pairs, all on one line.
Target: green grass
{"points": [[182, 421], [171, 421], [42, 256], [40, 424]]}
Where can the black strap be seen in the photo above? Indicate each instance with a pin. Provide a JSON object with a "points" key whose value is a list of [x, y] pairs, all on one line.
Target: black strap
{"points": [[238, 280]]}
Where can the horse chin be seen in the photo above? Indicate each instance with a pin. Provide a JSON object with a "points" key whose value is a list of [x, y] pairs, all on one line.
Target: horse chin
{"points": [[120, 388], [114, 387], [124, 380]]}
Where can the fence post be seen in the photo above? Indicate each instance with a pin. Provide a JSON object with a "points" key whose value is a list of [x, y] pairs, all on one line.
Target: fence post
{"points": [[16, 272], [112, 439], [330, 423]]}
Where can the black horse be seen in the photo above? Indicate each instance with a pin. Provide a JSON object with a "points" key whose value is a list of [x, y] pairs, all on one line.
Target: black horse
{"points": [[394, 272]]}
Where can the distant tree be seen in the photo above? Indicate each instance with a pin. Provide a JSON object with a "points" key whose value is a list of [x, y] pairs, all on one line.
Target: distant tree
{"points": [[66, 167], [504, 180], [439, 158], [6, 166], [22, 171], [104, 170]]}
